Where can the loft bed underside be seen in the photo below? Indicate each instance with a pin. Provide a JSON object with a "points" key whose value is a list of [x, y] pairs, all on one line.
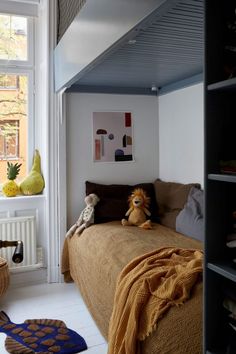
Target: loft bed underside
{"points": [[132, 47]]}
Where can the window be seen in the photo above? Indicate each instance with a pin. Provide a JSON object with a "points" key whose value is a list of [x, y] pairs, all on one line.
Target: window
{"points": [[9, 139], [9, 82], [13, 37], [16, 91]]}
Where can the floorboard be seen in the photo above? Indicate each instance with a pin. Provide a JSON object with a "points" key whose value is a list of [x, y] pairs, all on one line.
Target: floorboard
{"points": [[56, 301]]}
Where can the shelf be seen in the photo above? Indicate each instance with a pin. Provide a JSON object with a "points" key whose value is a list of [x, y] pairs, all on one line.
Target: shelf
{"points": [[229, 84], [223, 268], [222, 177], [215, 352]]}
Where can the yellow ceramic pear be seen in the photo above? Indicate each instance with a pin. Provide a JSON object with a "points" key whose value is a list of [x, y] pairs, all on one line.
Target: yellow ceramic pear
{"points": [[34, 182]]}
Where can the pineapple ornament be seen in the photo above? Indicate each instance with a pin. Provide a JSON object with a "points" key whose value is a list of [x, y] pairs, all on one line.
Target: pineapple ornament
{"points": [[10, 188]]}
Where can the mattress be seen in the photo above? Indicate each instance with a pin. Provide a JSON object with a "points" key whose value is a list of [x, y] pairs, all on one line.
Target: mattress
{"points": [[95, 259]]}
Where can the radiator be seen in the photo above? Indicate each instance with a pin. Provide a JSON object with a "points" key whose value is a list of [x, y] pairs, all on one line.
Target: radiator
{"points": [[23, 229]]}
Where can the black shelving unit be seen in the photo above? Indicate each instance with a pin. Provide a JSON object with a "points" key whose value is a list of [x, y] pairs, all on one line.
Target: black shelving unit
{"points": [[220, 188]]}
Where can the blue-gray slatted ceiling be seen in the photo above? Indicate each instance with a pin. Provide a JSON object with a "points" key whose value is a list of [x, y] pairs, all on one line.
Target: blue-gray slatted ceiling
{"points": [[167, 50]]}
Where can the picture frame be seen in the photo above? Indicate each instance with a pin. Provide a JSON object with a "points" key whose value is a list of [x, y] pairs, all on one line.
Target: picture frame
{"points": [[112, 136]]}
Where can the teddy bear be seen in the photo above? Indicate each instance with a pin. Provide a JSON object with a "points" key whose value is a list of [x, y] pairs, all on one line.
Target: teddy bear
{"points": [[138, 209], [86, 217]]}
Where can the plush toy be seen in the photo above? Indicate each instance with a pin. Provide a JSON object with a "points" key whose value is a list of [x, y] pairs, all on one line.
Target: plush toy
{"points": [[86, 217], [138, 203]]}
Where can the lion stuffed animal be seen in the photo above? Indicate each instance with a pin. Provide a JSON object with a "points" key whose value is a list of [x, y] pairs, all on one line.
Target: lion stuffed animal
{"points": [[138, 203]]}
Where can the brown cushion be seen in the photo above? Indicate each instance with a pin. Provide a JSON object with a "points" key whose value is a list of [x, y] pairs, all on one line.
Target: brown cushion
{"points": [[113, 202], [171, 198]]}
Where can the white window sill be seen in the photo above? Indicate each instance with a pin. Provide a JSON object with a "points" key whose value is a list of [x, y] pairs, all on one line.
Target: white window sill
{"points": [[21, 197]]}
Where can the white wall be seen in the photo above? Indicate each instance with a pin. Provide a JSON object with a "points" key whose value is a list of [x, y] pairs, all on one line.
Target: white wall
{"points": [[181, 135], [80, 165]]}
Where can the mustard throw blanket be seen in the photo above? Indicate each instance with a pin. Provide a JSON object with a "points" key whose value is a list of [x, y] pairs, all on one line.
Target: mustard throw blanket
{"points": [[146, 288]]}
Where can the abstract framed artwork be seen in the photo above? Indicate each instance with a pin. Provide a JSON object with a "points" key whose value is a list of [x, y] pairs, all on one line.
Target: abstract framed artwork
{"points": [[112, 136]]}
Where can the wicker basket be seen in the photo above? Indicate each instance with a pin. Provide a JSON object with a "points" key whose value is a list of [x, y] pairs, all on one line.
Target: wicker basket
{"points": [[4, 276]]}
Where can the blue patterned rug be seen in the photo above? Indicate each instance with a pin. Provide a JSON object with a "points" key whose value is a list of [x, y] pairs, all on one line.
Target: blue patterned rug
{"points": [[42, 336]]}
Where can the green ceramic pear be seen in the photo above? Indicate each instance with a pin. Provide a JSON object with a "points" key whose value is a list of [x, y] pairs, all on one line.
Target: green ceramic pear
{"points": [[34, 182]]}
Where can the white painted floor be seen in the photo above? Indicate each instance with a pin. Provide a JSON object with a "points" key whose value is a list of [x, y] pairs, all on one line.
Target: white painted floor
{"points": [[56, 301]]}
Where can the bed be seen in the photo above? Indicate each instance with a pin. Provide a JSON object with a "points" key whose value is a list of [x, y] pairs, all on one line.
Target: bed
{"points": [[95, 259]]}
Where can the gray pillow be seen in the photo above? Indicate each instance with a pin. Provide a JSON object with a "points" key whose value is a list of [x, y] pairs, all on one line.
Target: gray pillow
{"points": [[190, 221]]}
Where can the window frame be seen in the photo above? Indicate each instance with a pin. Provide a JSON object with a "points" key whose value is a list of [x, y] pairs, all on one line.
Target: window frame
{"points": [[25, 68]]}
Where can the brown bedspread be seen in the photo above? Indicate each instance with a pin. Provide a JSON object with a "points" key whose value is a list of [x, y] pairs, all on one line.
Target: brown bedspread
{"points": [[95, 259]]}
